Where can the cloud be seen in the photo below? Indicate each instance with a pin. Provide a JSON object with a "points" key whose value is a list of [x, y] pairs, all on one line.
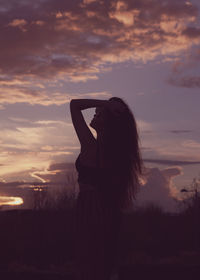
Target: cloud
{"points": [[180, 131], [159, 188], [33, 96], [61, 166], [187, 82], [34, 145], [191, 32], [86, 2], [56, 176], [185, 70], [122, 14], [79, 38], [191, 144], [21, 23], [56, 173], [171, 162], [159, 144]]}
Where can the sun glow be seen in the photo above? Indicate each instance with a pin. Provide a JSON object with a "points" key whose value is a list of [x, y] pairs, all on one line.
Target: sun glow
{"points": [[10, 200]]}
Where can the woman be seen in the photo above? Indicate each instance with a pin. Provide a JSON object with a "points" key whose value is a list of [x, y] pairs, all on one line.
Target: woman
{"points": [[108, 168]]}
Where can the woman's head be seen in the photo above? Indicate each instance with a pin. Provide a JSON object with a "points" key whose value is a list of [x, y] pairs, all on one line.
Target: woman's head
{"points": [[111, 113], [120, 137], [99, 119]]}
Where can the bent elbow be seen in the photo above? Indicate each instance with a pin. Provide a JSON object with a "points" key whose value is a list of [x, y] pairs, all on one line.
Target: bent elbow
{"points": [[75, 104], [72, 103]]}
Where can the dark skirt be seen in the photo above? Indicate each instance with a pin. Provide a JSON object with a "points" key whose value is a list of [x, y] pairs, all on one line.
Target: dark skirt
{"points": [[96, 230]]}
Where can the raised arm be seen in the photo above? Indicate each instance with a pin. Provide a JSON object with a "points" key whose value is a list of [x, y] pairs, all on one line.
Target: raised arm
{"points": [[83, 132]]}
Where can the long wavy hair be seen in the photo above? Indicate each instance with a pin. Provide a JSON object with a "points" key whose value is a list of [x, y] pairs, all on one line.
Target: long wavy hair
{"points": [[121, 150]]}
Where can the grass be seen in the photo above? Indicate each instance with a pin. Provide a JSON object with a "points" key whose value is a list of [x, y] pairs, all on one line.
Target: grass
{"points": [[42, 239]]}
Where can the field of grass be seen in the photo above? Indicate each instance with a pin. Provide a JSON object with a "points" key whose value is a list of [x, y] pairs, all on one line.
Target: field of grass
{"points": [[39, 244]]}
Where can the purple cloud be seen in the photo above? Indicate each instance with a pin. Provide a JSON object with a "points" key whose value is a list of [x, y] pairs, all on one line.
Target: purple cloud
{"points": [[47, 40], [53, 37], [159, 189]]}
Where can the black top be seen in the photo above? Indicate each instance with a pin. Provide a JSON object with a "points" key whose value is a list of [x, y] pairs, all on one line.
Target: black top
{"points": [[104, 180], [86, 174], [95, 176]]}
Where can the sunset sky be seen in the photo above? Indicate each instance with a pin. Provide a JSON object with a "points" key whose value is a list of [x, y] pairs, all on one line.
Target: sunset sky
{"points": [[145, 51]]}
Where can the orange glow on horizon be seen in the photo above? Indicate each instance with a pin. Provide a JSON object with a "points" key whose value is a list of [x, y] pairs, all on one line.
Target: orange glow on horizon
{"points": [[11, 200]]}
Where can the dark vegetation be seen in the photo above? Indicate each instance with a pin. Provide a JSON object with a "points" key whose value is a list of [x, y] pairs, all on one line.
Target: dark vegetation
{"points": [[43, 239]]}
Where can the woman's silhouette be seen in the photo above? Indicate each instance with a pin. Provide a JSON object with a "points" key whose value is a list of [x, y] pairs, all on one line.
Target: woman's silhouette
{"points": [[108, 168]]}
